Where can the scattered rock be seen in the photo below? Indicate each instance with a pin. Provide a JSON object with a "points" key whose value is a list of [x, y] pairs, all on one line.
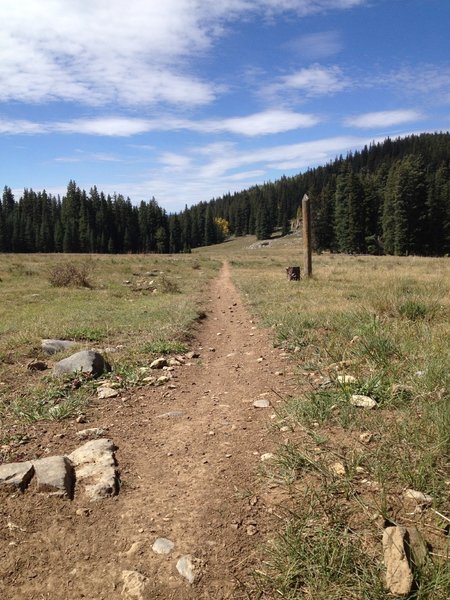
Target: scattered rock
{"points": [[92, 432], [346, 379], [54, 474], [95, 467], [173, 362], [419, 497], [54, 346], [267, 456], [81, 419], [163, 546], [399, 389], [362, 401], [191, 355], [134, 585], [16, 475], [338, 468], [159, 363], [261, 403], [251, 529], [188, 568], [37, 365], [104, 392], [163, 379], [404, 549], [172, 413], [86, 361], [366, 437], [399, 576]]}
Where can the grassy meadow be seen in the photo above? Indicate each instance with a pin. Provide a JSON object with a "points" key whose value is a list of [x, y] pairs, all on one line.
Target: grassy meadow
{"points": [[372, 326], [131, 307]]}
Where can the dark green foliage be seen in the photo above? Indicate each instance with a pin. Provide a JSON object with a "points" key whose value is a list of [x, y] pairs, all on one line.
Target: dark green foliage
{"points": [[392, 197]]}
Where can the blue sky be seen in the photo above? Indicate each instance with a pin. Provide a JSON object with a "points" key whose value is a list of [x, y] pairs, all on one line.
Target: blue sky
{"points": [[186, 100]]}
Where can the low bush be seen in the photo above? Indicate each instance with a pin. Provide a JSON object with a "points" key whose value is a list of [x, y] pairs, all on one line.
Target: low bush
{"points": [[70, 275]]}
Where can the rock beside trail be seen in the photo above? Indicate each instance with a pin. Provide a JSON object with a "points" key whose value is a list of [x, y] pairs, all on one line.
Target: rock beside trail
{"points": [[187, 567], [86, 361], [96, 468], [16, 476], [54, 346], [163, 546], [158, 363], [404, 550], [104, 392], [54, 474], [262, 403], [134, 585]]}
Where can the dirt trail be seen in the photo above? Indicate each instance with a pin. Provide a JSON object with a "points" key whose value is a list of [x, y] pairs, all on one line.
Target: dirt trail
{"points": [[189, 460]]}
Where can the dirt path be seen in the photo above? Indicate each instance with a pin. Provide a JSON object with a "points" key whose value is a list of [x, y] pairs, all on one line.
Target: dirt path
{"points": [[189, 460]]}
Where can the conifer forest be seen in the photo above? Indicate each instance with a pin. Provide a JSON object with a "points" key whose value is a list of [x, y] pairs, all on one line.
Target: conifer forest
{"points": [[388, 198]]}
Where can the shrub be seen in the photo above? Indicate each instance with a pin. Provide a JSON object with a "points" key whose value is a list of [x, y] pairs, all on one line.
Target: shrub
{"points": [[70, 275]]}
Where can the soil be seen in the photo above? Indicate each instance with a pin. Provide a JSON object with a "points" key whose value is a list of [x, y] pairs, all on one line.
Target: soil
{"points": [[190, 468]]}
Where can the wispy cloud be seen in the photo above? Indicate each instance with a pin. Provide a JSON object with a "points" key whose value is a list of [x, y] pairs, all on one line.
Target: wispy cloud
{"points": [[134, 52], [316, 46], [315, 80], [387, 118], [262, 123]]}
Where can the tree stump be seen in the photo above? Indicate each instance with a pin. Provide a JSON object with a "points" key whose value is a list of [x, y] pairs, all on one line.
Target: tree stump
{"points": [[293, 273]]}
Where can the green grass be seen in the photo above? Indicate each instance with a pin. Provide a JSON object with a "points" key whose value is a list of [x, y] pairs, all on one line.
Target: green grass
{"points": [[153, 313]]}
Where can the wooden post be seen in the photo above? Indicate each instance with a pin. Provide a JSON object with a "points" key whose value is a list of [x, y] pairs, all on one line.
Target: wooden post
{"points": [[306, 212]]}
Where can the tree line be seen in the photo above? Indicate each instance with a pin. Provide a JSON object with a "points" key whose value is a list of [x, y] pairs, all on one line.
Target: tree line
{"points": [[95, 223], [391, 197]]}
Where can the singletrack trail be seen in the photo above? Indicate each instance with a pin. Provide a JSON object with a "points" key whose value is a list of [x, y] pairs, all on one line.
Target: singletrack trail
{"points": [[189, 461]]}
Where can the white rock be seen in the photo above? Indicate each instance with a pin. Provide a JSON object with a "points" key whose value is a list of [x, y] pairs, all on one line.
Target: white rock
{"points": [[163, 546], [346, 379], [106, 392], [186, 567], [159, 363], [362, 401], [267, 456], [338, 468], [16, 475], [261, 403]]}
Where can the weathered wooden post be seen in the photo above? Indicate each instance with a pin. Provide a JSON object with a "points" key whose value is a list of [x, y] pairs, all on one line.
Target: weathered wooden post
{"points": [[306, 212]]}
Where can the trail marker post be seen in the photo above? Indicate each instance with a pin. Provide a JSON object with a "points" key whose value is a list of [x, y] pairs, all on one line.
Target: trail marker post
{"points": [[306, 213]]}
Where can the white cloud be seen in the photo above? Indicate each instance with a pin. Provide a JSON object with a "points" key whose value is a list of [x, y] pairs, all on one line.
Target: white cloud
{"points": [[316, 80], [134, 52], [386, 118], [262, 123]]}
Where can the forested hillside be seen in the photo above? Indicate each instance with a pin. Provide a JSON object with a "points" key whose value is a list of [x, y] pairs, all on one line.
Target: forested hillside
{"points": [[391, 197]]}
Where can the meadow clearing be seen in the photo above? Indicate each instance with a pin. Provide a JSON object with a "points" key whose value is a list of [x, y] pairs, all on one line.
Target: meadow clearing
{"points": [[362, 325]]}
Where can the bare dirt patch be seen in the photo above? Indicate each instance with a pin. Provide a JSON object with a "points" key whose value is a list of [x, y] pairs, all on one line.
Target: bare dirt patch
{"points": [[188, 458]]}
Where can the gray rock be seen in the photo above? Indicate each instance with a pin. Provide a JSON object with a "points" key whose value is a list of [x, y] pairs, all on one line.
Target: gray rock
{"points": [[16, 476], [86, 361], [96, 468], [262, 403], [163, 546], [55, 474], [187, 568], [172, 413], [54, 346], [134, 585], [362, 401]]}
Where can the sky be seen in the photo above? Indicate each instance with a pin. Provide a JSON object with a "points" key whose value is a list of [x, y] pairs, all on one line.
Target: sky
{"points": [[187, 100]]}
